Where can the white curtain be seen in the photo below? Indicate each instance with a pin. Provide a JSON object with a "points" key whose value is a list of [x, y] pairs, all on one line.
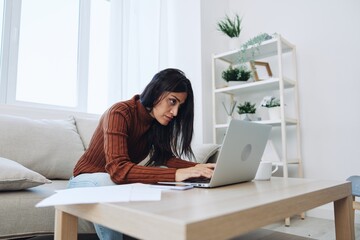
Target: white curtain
{"points": [[138, 43]]}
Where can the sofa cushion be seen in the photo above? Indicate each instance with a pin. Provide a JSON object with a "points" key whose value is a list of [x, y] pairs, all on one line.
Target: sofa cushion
{"points": [[48, 147], [14, 176], [203, 152], [86, 128], [23, 219]]}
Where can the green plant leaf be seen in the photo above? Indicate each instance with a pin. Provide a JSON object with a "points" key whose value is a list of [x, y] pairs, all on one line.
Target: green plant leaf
{"points": [[270, 101], [236, 74], [246, 107], [230, 27], [252, 45]]}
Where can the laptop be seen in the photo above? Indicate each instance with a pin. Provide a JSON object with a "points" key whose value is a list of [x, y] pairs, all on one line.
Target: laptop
{"points": [[239, 156]]}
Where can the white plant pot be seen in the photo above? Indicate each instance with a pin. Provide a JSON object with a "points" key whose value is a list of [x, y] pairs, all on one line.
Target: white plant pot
{"points": [[234, 43], [234, 83], [247, 117], [274, 113]]}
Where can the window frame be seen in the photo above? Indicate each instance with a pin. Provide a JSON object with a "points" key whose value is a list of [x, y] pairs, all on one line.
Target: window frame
{"points": [[9, 57]]}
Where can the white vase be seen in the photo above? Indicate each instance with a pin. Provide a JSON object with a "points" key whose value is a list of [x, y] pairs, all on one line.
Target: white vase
{"points": [[235, 83], [247, 117], [234, 43], [274, 113]]}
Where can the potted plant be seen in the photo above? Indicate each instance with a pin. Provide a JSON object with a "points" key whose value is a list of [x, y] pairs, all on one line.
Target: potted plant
{"points": [[252, 45], [236, 74], [247, 109], [231, 28], [273, 105]]}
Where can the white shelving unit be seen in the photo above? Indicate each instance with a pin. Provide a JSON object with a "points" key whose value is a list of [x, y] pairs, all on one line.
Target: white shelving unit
{"points": [[281, 55]]}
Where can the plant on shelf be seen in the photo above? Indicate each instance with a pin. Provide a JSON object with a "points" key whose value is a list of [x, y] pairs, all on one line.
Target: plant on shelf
{"points": [[273, 105], [245, 73], [230, 27], [236, 74], [270, 102], [246, 108], [252, 45]]}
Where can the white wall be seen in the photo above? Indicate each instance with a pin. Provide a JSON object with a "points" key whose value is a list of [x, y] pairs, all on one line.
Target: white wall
{"points": [[327, 36], [185, 54], [212, 42]]}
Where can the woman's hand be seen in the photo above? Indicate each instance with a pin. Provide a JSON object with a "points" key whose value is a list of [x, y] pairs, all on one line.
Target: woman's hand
{"points": [[199, 170]]}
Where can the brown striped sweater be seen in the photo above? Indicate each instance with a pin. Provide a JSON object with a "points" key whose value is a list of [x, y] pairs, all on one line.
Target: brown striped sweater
{"points": [[120, 142]]}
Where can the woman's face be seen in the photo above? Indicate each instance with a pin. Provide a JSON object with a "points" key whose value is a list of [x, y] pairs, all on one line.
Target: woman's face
{"points": [[168, 106]]}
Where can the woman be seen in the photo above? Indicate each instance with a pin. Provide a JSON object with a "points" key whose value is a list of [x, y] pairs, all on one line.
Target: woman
{"points": [[158, 123]]}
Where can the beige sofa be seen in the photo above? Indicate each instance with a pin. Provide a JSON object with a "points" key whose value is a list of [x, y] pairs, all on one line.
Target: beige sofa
{"points": [[38, 150]]}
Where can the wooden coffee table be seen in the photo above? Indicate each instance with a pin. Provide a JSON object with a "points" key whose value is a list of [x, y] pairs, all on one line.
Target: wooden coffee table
{"points": [[219, 213]]}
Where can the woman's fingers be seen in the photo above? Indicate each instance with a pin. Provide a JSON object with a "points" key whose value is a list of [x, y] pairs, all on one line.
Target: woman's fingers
{"points": [[197, 171]]}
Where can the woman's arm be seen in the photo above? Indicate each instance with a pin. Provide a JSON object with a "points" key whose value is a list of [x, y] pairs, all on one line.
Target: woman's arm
{"points": [[179, 163]]}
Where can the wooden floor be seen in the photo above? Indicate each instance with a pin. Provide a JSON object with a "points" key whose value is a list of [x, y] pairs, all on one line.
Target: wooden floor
{"points": [[309, 228]]}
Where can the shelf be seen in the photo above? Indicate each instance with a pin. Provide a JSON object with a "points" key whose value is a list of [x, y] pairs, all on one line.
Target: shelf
{"points": [[274, 123], [266, 49], [264, 85], [289, 161], [281, 54]]}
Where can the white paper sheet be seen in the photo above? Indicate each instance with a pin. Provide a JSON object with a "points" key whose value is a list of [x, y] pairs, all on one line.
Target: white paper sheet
{"points": [[118, 193]]}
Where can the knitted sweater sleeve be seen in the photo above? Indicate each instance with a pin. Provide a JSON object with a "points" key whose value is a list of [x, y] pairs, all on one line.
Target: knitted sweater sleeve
{"points": [[118, 162], [179, 163]]}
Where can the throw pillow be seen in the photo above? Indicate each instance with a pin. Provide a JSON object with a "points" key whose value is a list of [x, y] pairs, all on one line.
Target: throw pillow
{"points": [[14, 176], [48, 147], [86, 128], [203, 152]]}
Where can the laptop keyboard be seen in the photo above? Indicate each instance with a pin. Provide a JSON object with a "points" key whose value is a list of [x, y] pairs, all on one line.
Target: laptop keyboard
{"points": [[198, 180]]}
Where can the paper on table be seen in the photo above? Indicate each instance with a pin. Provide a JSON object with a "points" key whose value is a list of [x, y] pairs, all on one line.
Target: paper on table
{"points": [[118, 193]]}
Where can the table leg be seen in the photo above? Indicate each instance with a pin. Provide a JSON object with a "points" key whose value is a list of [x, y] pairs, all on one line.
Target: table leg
{"points": [[65, 226], [344, 219], [287, 222]]}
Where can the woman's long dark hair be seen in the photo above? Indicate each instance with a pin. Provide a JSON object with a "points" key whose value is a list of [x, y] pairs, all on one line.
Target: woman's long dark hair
{"points": [[175, 138]]}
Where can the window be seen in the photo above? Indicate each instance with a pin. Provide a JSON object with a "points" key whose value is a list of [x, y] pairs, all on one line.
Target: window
{"points": [[98, 56], [47, 55], [57, 53], [1, 19], [2, 91]]}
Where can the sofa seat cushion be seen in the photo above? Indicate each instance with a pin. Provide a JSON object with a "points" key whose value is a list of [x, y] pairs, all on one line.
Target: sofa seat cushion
{"points": [[20, 218], [48, 147], [14, 176]]}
